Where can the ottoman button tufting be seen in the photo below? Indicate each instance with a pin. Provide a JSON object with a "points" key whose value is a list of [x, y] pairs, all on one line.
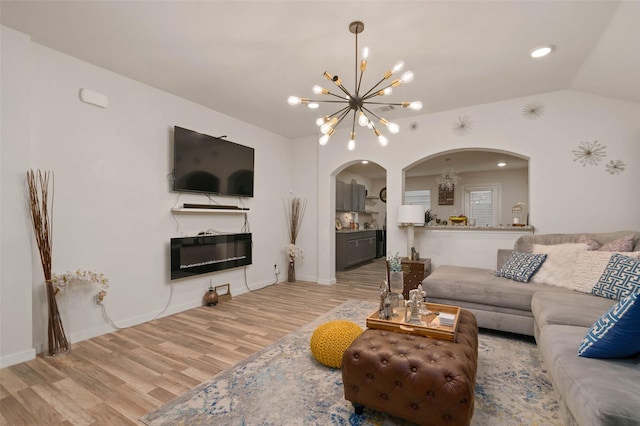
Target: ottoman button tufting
{"points": [[331, 339]]}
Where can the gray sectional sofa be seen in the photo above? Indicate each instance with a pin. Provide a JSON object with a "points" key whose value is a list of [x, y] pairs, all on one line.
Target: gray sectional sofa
{"points": [[590, 391]]}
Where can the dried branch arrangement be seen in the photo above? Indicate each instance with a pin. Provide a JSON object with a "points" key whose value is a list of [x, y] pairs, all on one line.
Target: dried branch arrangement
{"points": [[41, 215], [295, 212]]}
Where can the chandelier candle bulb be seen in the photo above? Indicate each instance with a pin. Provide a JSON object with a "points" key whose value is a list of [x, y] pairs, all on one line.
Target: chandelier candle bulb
{"points": [[318, 90], [362, 119]]}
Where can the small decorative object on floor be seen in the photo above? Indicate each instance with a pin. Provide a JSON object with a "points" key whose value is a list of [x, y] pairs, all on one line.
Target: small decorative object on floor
{"points": [[330, 340], [294, 209], [211, 297]]}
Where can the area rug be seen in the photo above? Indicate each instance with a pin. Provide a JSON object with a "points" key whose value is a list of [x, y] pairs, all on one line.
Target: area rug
{"points": [[284, 385]]}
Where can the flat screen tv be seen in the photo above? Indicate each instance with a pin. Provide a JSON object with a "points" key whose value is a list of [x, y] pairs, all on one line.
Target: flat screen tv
{"points": [[211, 165]]}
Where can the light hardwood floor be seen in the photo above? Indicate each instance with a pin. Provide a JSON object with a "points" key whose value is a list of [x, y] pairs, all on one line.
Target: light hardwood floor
{"points": [[116, 378]]}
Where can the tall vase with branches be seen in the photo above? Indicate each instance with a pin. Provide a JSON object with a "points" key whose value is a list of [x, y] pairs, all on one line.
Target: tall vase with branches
{"points": [[42, 218], [294, 209]]}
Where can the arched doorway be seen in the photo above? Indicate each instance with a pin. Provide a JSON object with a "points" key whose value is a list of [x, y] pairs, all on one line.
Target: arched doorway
{"points": [[360, 213]]}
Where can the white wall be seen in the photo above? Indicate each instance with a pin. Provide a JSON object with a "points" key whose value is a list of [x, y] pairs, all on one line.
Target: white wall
{"points": [[112, 208], [15, 225], [563, 197]]}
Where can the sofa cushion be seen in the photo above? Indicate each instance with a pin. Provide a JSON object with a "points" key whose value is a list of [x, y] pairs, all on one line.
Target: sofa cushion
{"points": [[596, 391], [620, 278], [521, 266], [589, 268], [591, 244], [616, 334], [621, 244], [557, 269], [568, 308]]}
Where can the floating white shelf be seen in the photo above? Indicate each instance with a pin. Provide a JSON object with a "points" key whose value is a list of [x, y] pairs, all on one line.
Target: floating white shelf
{"points": [[212, 211]]}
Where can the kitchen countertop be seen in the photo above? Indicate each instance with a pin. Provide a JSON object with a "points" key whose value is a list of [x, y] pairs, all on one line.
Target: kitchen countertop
{"points": [[527, 228]]}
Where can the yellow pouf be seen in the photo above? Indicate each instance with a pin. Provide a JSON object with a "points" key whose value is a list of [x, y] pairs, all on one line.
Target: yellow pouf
{"points": [[330, 340]]}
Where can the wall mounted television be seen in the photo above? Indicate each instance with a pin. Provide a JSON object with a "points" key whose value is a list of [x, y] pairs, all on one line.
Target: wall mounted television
{"points": [[209, 253], [211, 165]]}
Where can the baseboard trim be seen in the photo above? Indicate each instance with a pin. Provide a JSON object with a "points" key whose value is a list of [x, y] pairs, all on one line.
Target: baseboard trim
{"points": [[17, 358]]}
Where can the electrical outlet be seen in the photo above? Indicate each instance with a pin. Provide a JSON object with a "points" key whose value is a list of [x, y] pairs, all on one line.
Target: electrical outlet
{"points": [[275, 269]]}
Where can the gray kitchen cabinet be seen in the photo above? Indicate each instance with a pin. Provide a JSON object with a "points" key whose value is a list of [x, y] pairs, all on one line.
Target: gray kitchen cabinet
{"points": [[350, 197], [354, 248]]}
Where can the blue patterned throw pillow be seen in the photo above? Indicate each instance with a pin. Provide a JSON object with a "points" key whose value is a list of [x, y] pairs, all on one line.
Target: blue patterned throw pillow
{"points": [[521, 266], [617, 333], [620, 278]]}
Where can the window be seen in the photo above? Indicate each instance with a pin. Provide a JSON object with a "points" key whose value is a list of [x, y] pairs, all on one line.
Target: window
{"points": [[421, 197], [483, 204]]}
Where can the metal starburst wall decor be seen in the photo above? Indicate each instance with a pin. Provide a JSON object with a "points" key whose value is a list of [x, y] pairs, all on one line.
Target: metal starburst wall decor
{"points": [[533, 111], [590, 153], [615, 167], [462, 125]]}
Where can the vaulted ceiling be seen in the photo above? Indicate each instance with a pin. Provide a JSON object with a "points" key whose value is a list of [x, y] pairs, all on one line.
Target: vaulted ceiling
{"points": [[244, 58]]}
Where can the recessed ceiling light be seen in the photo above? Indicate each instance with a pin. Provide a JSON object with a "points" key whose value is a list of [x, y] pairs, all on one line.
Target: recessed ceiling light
{"points": [[365, 161], [540, 51], [501, 164]]}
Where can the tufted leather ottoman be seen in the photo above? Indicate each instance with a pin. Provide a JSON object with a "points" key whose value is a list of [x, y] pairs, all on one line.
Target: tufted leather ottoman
{"points": [[420, 379]]}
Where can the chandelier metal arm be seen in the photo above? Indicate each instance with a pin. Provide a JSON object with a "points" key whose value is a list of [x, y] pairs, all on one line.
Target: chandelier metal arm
{"points": [[371, 112], [344, 111], [369, 95], [336, 80], [353, 126], [388, 103], [337, 96], [326, 101], [344, 114]]}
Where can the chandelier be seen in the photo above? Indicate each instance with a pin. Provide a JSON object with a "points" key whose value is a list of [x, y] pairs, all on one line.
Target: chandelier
{"points": [[359, 103], [448, 179]]}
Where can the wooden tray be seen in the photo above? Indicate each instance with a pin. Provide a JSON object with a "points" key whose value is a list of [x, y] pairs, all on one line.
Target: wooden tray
{"points": [[435, 331]]}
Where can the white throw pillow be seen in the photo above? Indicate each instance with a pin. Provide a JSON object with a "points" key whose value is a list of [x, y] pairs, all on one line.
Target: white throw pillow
{"points": [[557, 270], [589, 268]]}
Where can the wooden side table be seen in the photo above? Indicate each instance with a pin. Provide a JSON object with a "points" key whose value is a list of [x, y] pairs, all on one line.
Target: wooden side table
{"points": [[414, 272]]}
